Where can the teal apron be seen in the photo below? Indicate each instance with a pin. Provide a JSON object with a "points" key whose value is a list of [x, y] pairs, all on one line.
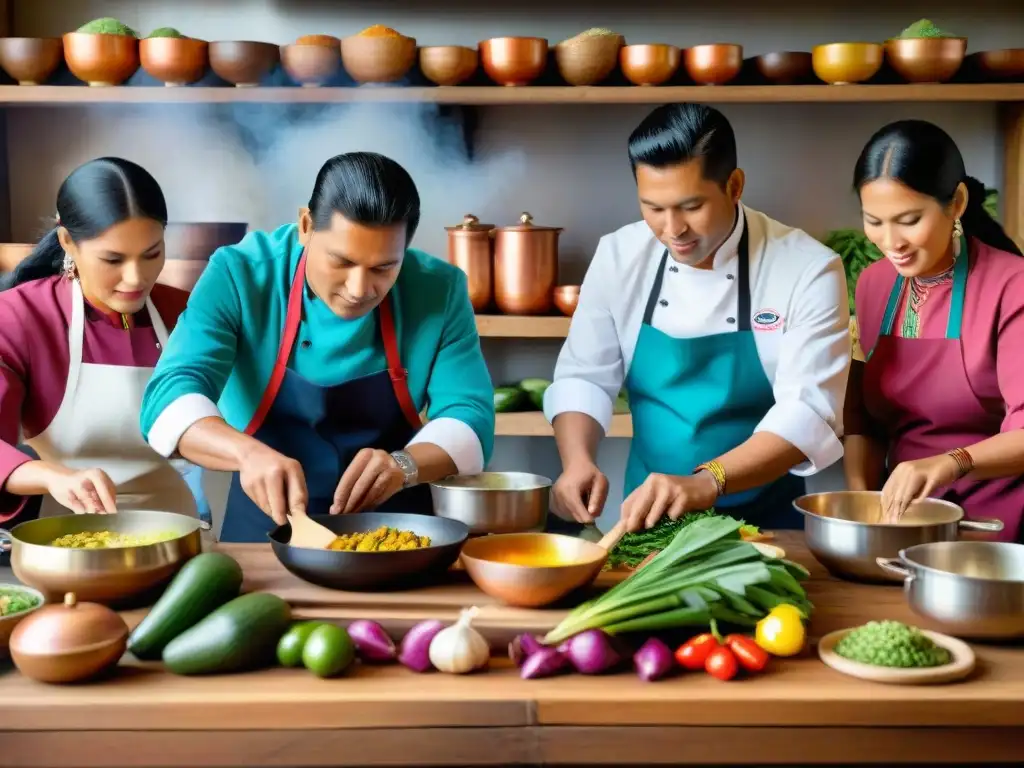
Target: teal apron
{"points": [[694, 399]]}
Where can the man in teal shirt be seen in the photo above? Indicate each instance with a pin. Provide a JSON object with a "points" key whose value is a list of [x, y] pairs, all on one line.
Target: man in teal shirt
{"points": [[307, 354]]}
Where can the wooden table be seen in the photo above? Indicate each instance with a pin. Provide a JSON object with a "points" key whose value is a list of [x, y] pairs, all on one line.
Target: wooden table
{"points": [[799, 713]]}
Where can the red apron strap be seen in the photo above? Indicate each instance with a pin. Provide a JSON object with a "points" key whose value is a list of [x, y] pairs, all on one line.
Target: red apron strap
{"points": [[292, 320], [399, 376]]}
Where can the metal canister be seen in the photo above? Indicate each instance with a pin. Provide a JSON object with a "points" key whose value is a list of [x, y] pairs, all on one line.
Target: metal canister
{"points": [[525, 267], [469, 249]]}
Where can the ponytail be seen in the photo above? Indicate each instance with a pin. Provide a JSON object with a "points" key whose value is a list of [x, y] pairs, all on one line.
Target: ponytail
{"points": [[45, 260], [979, 224]]}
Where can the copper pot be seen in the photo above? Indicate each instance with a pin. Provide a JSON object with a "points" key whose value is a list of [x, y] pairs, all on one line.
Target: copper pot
{"points": [[525, 267], [469, 249]]}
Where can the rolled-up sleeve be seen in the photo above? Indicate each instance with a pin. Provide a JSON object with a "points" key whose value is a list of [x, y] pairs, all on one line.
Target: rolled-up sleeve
{"points": [[196, 363], [813, 369], [460, 394], [590, 370], [1009, 361]]}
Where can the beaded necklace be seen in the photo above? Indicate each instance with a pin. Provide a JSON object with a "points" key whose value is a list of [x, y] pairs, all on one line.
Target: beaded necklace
{"points": [[919, 288]]}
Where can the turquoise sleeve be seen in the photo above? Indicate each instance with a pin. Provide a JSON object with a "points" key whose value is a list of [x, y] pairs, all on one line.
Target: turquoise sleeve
{"points": [[200, 353], [460, 385]]}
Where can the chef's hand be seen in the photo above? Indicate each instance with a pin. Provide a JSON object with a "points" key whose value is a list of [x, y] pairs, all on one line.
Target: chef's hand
{"points": [[87, 492], [915, 480], [580, 492], [672, 494], [275, 483], [372, 478]]}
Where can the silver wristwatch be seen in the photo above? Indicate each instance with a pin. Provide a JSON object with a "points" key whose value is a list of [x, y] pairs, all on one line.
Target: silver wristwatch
{"points": [[408, 466]]}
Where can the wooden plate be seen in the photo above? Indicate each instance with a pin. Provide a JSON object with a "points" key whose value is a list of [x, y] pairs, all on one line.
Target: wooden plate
{"points": [[960, 667]]}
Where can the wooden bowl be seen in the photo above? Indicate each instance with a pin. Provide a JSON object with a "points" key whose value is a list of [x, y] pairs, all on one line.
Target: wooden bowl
{"points": [[926, 59], [785, 67], [101, 59], [174, 60], [514, 61], [31, 60], [448, 64], [378, 59], [713, 64], [243, 63], [844, 63], [328, 40], [566, 298], [1004, 64], [651, 64], [310, 65], [588, 60]]}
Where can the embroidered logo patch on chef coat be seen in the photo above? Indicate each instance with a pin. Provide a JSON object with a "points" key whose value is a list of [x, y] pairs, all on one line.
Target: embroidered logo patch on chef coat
{"points": [[767, 320]]}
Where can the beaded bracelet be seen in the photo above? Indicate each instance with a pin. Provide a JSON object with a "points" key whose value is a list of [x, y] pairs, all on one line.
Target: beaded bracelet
{"points": [[963, 461], [717, 471]]}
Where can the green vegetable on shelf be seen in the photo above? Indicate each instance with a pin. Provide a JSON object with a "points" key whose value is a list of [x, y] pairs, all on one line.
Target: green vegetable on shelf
{"points": [[857, 253], [107, 26], [923, 28], [621, 404], [892, 644], [535, 389], [508, 399], [165, 32]]}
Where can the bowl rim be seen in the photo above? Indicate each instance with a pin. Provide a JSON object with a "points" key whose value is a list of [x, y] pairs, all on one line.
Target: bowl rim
{"points": [[653, 45], [600, 555], [902, 526], [848, 42], [458, 541], [76, 33], [449, 483], [917, 39], [906, 559], [12, 532], [14, 587], [44, 39]]}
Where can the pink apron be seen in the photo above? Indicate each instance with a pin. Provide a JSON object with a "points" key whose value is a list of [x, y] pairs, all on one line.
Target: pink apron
{"points": [[917, 390]]}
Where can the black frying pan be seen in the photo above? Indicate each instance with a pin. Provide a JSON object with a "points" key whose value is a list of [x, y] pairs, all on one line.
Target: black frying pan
{"points": [[366, 571]]}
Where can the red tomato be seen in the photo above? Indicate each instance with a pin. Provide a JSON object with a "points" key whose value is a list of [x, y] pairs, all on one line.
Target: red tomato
{"points": [[694, 652], [751, 656], [721, 663]]}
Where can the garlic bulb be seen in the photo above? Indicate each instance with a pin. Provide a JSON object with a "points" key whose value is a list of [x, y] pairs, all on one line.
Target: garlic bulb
{"points": [[459, 649]]}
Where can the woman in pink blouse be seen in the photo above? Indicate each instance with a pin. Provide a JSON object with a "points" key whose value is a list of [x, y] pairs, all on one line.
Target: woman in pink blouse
{"points": [[938, 408], [82, 322]]}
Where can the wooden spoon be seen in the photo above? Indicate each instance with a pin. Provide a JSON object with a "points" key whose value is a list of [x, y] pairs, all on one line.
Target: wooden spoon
{"points": [[309, 534]]}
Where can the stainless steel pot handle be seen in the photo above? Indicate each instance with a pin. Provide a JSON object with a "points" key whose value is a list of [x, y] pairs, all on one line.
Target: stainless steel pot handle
{"points": [[893, 565], [6, 542], [988, 526]]}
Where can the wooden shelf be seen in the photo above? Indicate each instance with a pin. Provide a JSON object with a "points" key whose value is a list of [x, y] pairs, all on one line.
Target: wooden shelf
{"points": [[522, 327], [533, 424], [50, 95]]}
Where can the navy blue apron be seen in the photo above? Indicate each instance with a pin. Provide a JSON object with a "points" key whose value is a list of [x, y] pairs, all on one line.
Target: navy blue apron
{"points": [[694, 399], [324, 427]]}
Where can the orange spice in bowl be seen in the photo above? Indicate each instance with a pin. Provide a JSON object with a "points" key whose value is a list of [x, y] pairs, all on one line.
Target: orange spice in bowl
{"points": [[379, 30]]}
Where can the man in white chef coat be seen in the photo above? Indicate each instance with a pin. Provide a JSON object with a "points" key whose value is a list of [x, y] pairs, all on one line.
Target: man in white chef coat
{"points": [[728, 330]]}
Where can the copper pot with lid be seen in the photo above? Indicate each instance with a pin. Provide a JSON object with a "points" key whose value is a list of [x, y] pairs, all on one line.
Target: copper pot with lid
{"points": [[68, 642], [469, 249], [525, 267]]}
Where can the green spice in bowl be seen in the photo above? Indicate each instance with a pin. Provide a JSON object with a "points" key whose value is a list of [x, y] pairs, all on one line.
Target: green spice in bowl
{"points": [[892, 644], [165, 32], [16, 602], [107, 26], [923, 29]]}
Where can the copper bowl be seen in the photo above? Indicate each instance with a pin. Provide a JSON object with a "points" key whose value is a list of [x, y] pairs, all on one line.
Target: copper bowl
{"points": [[31, 60], [378, 59], [785, 67], [101, 59], [448, 64], [310, 65], [926, 59], [588, 60], [1004, 64], [844, 63], [9, 622], [566, 298], [243, 63], [713, 64], [651, 64], [174, 60], [514, 61]]}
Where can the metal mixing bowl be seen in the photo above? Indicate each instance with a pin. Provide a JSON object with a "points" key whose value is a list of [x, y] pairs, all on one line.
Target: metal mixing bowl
{"points": [[972, 589], [844, 534], [117, 576], [494, 502]]}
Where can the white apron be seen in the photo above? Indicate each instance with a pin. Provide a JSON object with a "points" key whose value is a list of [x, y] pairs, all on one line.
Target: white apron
{"points": [[97, 426]]}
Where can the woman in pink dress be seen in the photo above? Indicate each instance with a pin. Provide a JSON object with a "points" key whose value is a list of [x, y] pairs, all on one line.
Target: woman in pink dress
{"points": [[937, 409], [82, 322]]}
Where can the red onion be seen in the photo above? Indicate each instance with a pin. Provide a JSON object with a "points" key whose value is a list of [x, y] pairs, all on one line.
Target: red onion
{"points": [[523, 647], [544, 663], [592, 652], [654, 660], [372, 642], [414, 652]]}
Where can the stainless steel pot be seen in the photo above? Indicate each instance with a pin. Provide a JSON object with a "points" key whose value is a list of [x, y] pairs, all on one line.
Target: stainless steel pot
{"points": [[494, 502], [972, 589], [117, 576], [844, 534]]}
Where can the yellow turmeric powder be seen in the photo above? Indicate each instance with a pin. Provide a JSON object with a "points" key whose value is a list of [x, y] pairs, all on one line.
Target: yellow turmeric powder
{"points": [[379, 30]]}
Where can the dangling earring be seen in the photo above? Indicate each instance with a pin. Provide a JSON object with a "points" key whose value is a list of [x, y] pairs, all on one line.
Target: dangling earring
{"points": [[69, 268], [958, 229]]}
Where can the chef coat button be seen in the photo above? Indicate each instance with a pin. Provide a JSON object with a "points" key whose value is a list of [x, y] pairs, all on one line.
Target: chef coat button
{"points": [[673, 269], [306, 344], [730, 277], [730, 320], [663, 303]]}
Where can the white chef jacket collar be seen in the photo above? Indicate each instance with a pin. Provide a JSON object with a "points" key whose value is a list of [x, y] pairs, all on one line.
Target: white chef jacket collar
{"points": [[727, 251]]}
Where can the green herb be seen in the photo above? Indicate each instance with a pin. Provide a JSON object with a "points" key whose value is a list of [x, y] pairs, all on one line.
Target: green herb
{"points": [[991, 203], [857, 253], [107, 26], [923, 28], [165, 32], [706, 572], [15, 601], [892, 644], [634, 548]]}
